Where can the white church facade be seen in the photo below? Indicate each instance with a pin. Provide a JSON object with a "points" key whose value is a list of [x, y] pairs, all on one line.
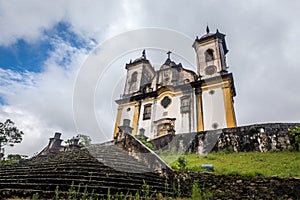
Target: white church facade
{"points": [[175, 100]]}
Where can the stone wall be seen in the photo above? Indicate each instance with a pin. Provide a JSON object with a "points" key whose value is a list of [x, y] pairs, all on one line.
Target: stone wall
{"points": [[239, 187], [142, 153], [257, 137], [176, 143]]}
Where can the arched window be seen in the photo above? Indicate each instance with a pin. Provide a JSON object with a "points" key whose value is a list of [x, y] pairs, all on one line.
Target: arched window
{"points": [[133, 82], [209, 55], [134, 77]]}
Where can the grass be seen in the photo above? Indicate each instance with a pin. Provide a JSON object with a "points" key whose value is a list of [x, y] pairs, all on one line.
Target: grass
{"points": [[281, 164]]}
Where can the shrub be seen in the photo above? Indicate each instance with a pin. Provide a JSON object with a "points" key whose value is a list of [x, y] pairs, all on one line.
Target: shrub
{"points": [[295, 133], [182, 162]]}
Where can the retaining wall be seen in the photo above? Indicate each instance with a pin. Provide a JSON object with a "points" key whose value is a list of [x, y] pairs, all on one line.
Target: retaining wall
{"points": [[256, 137]]}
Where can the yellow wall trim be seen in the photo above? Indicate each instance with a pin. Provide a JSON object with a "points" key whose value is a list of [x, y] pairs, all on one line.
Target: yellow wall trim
{"points": [[117, 124], [199, 114], [136, 118], [230, 114]]}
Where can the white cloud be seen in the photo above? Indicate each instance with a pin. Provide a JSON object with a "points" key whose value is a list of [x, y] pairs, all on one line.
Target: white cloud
{"points": [[90, 19], [41, 103], [262, 37]]}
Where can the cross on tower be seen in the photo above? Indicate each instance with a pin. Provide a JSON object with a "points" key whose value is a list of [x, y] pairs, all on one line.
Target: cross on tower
{"points": [[169, 53]]}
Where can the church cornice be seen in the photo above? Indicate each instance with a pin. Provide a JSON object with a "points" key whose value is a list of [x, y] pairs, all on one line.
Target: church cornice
{"points": [[154, 94], [136, 62], [216, 79]]}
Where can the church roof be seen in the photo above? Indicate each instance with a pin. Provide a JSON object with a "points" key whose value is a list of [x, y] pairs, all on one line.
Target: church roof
{"points": [[215, 35]]}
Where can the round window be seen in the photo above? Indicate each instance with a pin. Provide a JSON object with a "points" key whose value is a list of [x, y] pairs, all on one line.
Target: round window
{"points": [[210, 70], [165, 102]]}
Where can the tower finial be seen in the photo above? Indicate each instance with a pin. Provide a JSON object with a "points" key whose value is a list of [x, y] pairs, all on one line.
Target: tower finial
{"points": [[144, 54], [207, 29], [169, 53]]}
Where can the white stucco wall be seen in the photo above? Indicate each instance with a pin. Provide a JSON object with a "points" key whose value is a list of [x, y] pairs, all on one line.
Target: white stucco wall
{"points": [[213, 109], [146, 124], [127, 114], [184, 123]]}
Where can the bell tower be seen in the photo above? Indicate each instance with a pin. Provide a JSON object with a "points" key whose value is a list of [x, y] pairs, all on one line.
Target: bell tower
{"points": [[211, 50], [215, 89], [139, 76]]}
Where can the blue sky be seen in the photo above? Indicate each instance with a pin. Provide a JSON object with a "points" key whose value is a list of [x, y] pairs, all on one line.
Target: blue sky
{"points": [[25, 55], [45, 44]]}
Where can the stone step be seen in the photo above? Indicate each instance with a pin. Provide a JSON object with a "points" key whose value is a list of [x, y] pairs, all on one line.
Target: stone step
{"points": [[42, 183], [97, 168], [75, 171], [95, 192], [55, 178]]}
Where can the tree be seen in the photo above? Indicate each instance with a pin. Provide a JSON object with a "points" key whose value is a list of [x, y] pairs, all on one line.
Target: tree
{"points": [[84, 140], [13, 158], [295, 133], [9, 135]]}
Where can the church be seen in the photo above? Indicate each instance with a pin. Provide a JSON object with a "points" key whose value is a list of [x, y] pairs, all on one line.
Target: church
{"points": [[175, 100]]}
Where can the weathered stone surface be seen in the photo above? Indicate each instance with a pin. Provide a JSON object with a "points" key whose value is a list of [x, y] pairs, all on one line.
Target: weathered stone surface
{"points": [[238, 187], [99, 168], [257, 137], [138, 150]]}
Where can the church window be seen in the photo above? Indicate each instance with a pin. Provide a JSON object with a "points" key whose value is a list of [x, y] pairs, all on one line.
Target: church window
{"points": [[210, 70], [133, 82], [165, 102], [147, 112], [134, 77], [185, 105], [209, 55]]}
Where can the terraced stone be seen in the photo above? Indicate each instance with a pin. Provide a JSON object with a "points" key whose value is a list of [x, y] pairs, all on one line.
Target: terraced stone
{"points": [[100, 169]]}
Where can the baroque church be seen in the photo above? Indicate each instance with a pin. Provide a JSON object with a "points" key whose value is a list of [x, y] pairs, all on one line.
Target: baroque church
{"points": [[175, 100]]}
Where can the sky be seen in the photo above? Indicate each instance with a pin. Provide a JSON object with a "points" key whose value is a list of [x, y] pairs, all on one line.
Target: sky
{"points": [[47, 47]]}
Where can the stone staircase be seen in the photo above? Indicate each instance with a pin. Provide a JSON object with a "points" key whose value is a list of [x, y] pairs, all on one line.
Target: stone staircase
{"points": [[100, 170]]}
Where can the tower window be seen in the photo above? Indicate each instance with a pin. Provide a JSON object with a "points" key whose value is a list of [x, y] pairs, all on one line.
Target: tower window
{"points": [[133, 82], [209, 55], [185, 105], [147, 112], [134, 77]]}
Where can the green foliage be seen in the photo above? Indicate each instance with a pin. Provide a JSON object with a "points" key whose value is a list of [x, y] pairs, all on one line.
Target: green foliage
{"points": [[35, 196], [228, 150], [57, 193], [253, 129], [145, 142], [12, 158], [295, 132], [198, 194], [75, 192], [84, 140], [182, 162], [9, 135], [282, 164]]}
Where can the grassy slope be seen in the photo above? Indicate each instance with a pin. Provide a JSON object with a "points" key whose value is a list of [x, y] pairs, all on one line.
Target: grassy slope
{"points": [[282, 164]]}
